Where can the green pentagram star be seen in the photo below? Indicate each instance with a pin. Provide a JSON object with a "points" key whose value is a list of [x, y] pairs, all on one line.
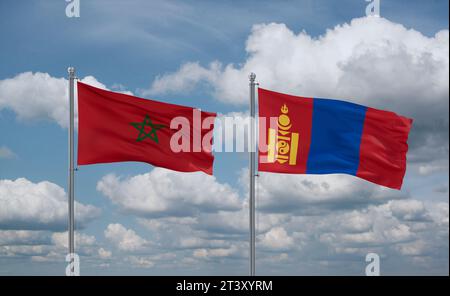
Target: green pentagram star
{"points": [[140, 126]]}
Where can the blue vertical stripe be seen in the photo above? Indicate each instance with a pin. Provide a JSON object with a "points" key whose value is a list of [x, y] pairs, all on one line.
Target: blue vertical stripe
{"points": [[336, 136]]}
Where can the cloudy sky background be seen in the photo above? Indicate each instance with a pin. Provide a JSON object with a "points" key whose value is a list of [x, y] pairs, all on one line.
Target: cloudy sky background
{"points": [[136, 219]]}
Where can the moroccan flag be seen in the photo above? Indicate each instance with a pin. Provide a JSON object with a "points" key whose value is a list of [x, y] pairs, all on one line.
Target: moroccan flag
{"points": [[323, 136], [115, 127]]}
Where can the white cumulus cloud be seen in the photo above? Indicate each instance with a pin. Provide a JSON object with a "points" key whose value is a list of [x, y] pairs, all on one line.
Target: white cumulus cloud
{"points": [[277, 239], [40, 96], [311, 194], [27, 205], [167, 193], [124, 239], [359, 60], [104, 254]]}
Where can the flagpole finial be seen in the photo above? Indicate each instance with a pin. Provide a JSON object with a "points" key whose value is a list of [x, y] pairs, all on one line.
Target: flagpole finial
{"points": [[252, 77], [71, 70]]}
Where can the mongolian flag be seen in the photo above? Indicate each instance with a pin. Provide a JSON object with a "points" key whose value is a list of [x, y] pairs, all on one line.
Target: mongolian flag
{"points": [[322, 136], [115, 127]]}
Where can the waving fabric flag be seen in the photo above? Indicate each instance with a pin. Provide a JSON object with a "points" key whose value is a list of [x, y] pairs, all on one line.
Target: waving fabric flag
{"points": [[116, 127], [323, 136]]}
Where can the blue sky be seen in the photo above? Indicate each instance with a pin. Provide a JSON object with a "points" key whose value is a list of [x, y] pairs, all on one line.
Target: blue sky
{"points": [[398, 62]]}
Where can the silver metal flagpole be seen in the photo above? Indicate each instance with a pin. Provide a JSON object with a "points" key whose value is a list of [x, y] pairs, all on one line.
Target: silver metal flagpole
{"points": [[71, 72], [252, 78]]}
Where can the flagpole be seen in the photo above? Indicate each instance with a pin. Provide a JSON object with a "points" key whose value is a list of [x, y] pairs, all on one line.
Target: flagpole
{"points": [[71, 199], [252, 149]]}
